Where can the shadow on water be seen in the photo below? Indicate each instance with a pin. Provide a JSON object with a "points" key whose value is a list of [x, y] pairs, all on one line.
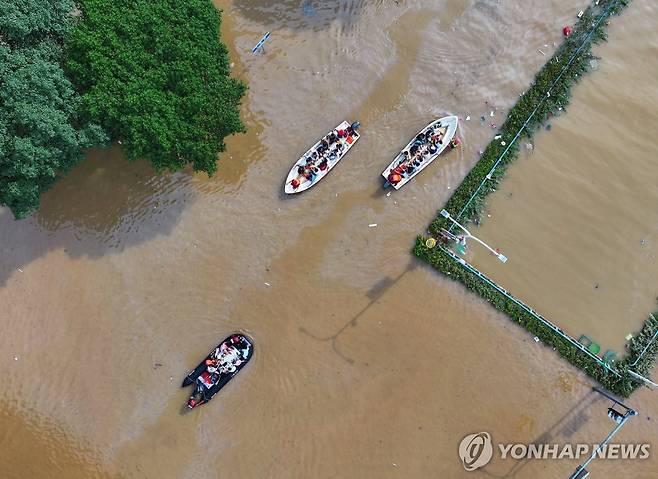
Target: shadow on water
{"points": [[103, 206], [379, 289], [305, 14], [563, 430]]}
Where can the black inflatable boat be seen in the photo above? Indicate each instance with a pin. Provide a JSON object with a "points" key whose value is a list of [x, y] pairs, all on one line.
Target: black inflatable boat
{"points": [[218, 368]]}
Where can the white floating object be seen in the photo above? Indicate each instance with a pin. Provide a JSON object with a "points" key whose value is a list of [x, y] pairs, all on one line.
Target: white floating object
{"points": [[468, 118], [15, 358], [388, 194], [503, 143], [492, 113], [268, 284], [20, 270], [372, 225], [541, 52], [581, 13], [498, 137], [536, 339]]}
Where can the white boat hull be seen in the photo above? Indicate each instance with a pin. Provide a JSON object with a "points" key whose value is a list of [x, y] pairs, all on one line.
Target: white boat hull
{"points": [[450, 125], [304, 183]]}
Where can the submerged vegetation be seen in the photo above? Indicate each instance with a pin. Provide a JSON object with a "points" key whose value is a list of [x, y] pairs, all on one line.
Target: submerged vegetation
{"points": [[548, 95], [156, 77], [42, 133], [152, 75]]}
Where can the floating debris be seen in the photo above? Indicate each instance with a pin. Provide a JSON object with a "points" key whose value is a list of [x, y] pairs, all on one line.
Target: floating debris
{"points": [[372, 225], [308, 9]]}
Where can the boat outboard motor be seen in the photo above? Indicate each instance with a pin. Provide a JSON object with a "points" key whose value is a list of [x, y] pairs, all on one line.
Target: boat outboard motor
{"points": [[356, 125]]}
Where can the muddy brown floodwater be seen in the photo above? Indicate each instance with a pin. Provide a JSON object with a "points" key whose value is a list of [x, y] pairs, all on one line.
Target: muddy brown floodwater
{"points": [[578, 214], [367, 363]]}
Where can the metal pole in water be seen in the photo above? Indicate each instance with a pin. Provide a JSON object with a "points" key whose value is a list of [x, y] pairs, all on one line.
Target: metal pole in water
{"points": [[497, 254], [581, 472], [261, 42]]}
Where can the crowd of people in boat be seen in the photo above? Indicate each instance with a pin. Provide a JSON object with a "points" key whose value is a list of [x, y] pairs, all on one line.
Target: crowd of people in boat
{"points": [[330, 148], [224, 360], [227, 357], [424, 147]]}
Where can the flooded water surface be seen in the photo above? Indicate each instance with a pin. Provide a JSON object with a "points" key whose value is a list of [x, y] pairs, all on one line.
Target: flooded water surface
{"points": [[367, 364], [578, 213]]}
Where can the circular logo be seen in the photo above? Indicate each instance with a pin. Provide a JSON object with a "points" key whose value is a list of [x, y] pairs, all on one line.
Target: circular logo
{"points": [[476, 450]]}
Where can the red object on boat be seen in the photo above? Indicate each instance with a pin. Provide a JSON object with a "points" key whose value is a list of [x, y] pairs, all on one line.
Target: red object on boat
{"points": [[394, 178], [567, 31], [295, 183]]}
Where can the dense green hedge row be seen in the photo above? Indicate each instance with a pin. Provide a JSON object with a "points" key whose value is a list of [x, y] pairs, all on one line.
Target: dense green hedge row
{"points": [[589, 29], [558, 75], [623, 385]]}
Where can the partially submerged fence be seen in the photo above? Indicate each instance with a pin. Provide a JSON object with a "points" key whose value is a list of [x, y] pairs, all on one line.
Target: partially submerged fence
{"points": [[548, 95], [529, 310]]}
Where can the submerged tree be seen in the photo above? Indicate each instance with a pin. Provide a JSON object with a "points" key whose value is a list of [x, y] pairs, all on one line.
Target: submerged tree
{"points": [[156, 76], [41, 133]]}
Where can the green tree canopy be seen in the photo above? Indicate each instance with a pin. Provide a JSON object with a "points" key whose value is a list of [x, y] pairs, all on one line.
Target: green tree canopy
{"points": [[30, 21], [41, 134], [156, 76]]}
